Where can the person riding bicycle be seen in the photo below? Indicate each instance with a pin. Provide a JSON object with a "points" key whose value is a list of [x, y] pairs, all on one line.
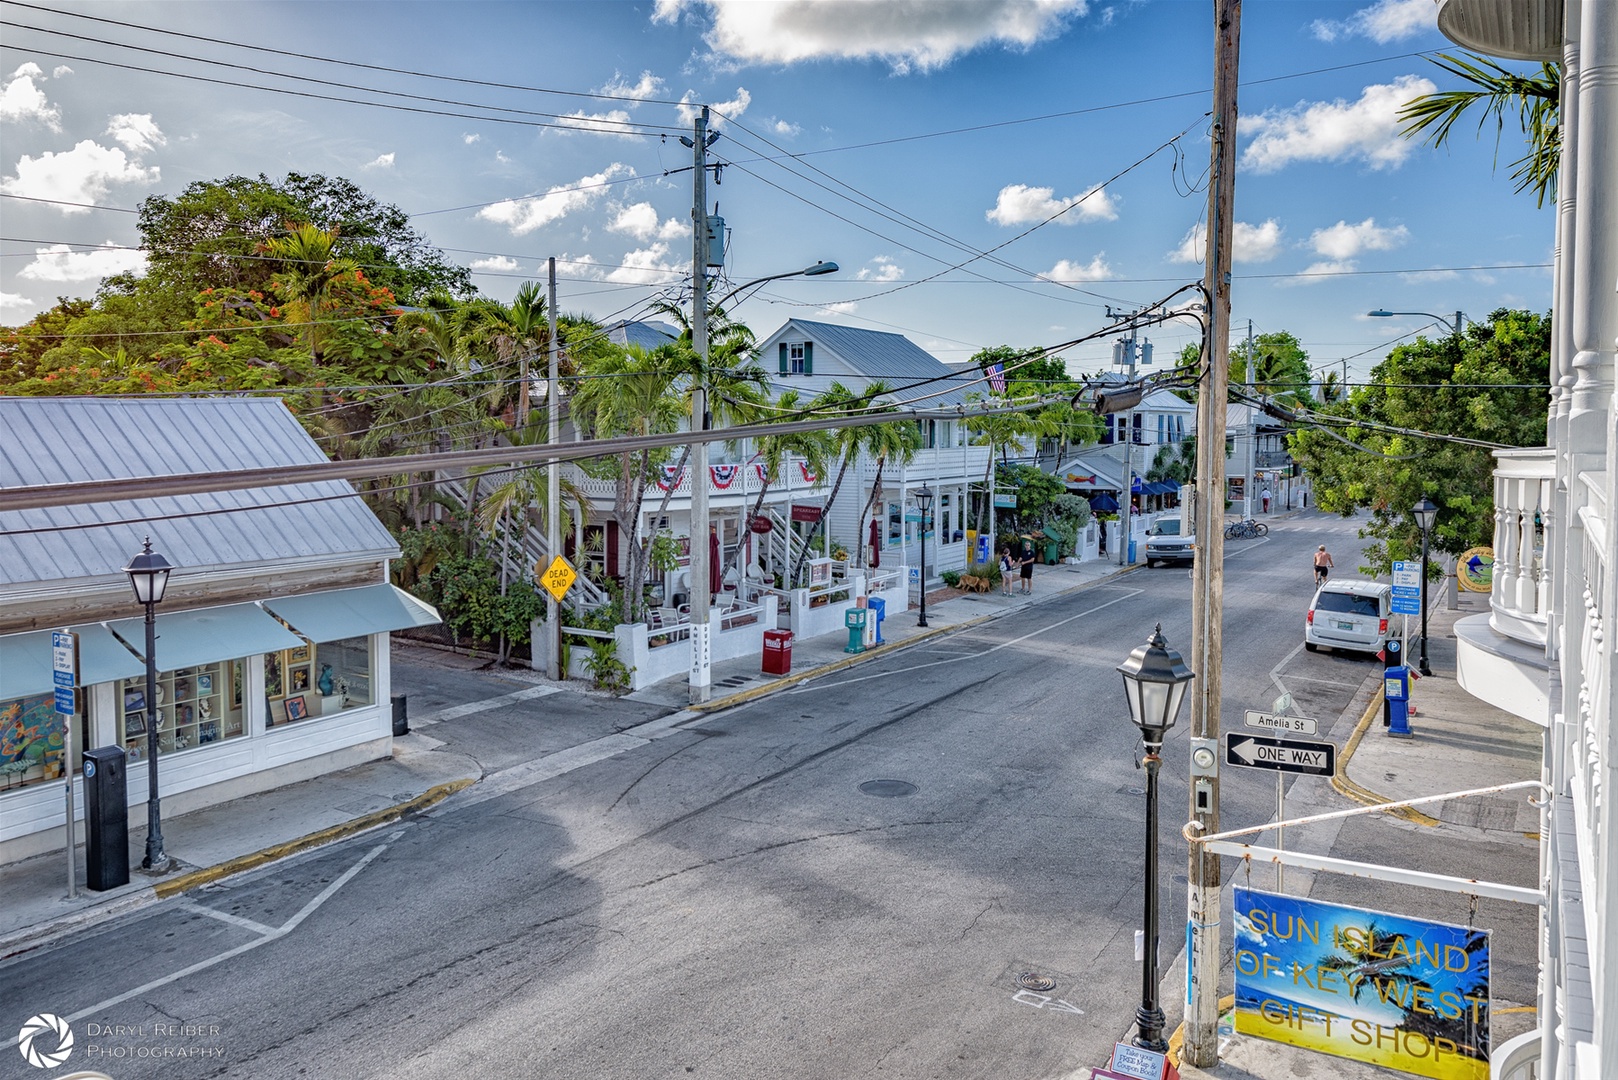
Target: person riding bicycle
{"points": [[1323, 565]]}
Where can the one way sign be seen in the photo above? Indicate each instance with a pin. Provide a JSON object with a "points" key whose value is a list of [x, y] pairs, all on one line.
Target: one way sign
{"points": [[1281, 755]]}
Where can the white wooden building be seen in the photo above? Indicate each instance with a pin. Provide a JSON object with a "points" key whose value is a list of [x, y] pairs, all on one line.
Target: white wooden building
{"points": [[272, 638]]}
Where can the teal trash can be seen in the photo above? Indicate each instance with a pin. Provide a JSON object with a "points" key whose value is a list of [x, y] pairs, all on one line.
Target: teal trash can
{"points": [[854, 620]]}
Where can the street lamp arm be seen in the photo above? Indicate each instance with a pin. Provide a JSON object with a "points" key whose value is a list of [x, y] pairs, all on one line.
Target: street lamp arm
{"points": [[1453, 324], [816, 270]]}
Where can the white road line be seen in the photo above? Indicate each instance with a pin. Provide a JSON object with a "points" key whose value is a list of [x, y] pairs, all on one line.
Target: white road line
{"points": [[818, 685], [202, 965], [454, 712], [225, 916], [1275, 672], [1238, 554]]}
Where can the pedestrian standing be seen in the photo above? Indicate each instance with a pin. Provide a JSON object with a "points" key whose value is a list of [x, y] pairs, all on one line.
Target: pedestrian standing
{"points": [[1264, 497], [1028, 566], [1008, 565]]}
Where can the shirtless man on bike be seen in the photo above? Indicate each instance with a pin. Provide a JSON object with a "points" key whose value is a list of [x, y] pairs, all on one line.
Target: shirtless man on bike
{"points": [[1323, 565]]}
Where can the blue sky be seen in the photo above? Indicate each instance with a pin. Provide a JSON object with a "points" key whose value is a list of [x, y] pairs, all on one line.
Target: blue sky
{"points": [[898, 138]]}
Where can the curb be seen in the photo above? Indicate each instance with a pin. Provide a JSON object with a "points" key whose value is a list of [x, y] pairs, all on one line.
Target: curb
{"points": [[754, 693], [34, 936], [1344, 786]]}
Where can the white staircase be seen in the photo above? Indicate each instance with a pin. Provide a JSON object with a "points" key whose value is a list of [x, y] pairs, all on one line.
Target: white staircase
{"points": [[525, 550]]}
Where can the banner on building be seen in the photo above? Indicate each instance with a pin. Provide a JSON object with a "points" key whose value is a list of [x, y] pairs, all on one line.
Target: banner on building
{"points": [[1388, 990]]}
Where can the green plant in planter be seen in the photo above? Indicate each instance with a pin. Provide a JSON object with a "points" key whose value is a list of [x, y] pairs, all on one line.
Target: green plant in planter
{"points": [[952, 578], [607, 672]]}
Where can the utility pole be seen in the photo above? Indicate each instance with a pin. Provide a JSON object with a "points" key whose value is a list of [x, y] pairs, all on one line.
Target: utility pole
{"points": [[701, 672], [1250, 384], [1207, 595], [1126, 352], [553, 487]]}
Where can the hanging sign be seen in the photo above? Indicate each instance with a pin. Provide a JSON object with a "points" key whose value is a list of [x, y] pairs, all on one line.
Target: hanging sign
{"points": [[1387, 990], [801, 512]]}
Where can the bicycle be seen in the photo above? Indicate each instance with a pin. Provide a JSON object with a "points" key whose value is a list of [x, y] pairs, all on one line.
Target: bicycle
{"points": [[1246, 530]]}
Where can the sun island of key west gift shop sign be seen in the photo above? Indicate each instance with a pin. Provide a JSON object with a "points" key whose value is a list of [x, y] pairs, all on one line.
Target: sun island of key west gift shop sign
{"points": [[1388, 990]]}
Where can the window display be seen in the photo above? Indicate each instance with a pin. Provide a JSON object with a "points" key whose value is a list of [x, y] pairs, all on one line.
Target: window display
{"points": [[193, 707], [317, 679], [31, 739]]}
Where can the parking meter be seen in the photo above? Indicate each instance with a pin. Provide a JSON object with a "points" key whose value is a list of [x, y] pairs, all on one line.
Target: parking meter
{"points": [[1396, 693], [1392, 656]]}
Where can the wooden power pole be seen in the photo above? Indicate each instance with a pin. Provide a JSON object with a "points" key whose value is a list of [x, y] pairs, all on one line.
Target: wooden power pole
{"points": [[1207, 595]]}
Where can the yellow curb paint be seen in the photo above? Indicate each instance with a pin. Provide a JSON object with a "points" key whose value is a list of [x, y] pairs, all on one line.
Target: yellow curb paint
{"points": [[1178, 1038], [1345, 786], [210, 874]]}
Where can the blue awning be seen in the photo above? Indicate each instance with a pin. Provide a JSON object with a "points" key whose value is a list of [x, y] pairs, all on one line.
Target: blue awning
{"points": [[346, 613], [208, 635], [25, 661], [1103, 504]]}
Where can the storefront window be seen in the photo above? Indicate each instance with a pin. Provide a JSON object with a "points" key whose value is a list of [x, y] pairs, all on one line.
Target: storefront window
{"points": [[31, 739], [315, 680], [194, 707]]}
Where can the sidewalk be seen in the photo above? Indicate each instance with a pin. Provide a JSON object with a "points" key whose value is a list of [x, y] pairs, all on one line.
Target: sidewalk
{"points": [[250, 832]]}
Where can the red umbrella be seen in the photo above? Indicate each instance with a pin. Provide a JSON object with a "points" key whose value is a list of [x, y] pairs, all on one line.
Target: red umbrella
{"points": [[714, 569], [876, 543]]}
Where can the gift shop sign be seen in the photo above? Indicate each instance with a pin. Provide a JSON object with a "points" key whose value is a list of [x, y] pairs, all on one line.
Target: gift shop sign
{"points": [[1388, 990]]}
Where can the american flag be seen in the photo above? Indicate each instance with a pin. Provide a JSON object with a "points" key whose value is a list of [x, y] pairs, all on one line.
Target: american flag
{"points": [[997, 378]]}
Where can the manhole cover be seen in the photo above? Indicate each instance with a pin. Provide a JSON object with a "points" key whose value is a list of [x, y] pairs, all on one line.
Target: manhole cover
{"points": [[1131, 791], [888, 789], [1029, 980]]}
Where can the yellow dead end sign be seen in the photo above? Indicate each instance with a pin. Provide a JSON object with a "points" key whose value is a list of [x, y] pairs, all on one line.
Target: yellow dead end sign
{"points": [[558, 578]]}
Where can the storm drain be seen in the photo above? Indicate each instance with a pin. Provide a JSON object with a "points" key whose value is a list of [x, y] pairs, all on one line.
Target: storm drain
{"points": [[1030, 980], [735, 681], [887, 789]]}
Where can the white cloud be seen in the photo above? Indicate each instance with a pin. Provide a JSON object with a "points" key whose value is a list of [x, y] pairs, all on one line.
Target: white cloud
{"points": [[1339, 130], [501, 264], [525, 215], [906, 34], [1249, 243], [1344, 241], [1019, 204], [381, 161], [59, 70], [721, 110], [786, 130], [136, 132], [469, 138], [884, 270], [1315, 273], [1068, 270], [500, 157], [640, 221], [649, 86], [59, 263], [13, 304], [80, 175], [21, 100], [841, 307], [1383, 22], [648, 266]]}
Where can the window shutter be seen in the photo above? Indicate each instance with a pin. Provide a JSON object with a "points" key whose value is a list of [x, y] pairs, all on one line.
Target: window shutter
{"points": [[808, 358], [785, 363]]}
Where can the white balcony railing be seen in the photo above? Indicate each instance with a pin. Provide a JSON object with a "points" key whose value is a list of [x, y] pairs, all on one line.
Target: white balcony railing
{"points": [[1519, 598], [727, 479]]}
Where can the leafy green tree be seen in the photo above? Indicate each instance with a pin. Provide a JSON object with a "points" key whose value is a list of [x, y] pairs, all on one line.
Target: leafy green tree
{"points": [[1020, 365], [1488, 384], [310, 269], [1498, 92], [999, 431], [1277, 367], [1037, 492]]}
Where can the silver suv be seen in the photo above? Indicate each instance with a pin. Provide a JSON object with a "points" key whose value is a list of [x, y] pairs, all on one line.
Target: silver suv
{"points": [[1349, 615]]}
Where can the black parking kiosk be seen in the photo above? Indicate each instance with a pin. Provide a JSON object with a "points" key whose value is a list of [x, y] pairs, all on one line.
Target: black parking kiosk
{"points": [[1393, 656], [106, 818]]}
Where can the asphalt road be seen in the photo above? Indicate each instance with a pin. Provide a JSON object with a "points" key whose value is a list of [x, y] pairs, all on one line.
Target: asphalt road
{"points": [[843, 879]]}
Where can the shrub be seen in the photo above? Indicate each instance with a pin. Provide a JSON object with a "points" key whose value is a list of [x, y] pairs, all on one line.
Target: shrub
{"points": [[607, 672], [952, 578]]}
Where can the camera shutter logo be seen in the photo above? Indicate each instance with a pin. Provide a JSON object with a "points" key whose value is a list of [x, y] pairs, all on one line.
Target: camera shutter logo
{"points": [[37, 1037]]}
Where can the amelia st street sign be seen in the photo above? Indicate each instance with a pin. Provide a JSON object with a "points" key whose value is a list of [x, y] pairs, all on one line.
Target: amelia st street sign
{"points": [[1281, 755]]}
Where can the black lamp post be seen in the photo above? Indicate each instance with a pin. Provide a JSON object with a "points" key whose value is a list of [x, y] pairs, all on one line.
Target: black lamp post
{"points": [[149, 574], [1155, 682], [1425, 513], [924, 499]]}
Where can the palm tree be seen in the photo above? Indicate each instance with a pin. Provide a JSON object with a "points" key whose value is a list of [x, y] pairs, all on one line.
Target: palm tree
{"points": [[310, 268], [848, 442], [999, 431], [896, 442], [1536, 99], [512, 336], [815, 447], [633, 395]]}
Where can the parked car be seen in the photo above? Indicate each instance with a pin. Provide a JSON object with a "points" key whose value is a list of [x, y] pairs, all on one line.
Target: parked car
{"points": [[1349, 614], [1164, 543]]}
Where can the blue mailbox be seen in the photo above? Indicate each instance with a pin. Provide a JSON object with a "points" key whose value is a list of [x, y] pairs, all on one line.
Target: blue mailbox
{"points": [[1396, 691], [878, 608]]}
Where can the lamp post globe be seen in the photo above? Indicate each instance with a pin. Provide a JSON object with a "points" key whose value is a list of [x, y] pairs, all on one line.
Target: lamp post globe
{"points": [[924, 500], [1155, 682], [1426, 514], [149, 576]]}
